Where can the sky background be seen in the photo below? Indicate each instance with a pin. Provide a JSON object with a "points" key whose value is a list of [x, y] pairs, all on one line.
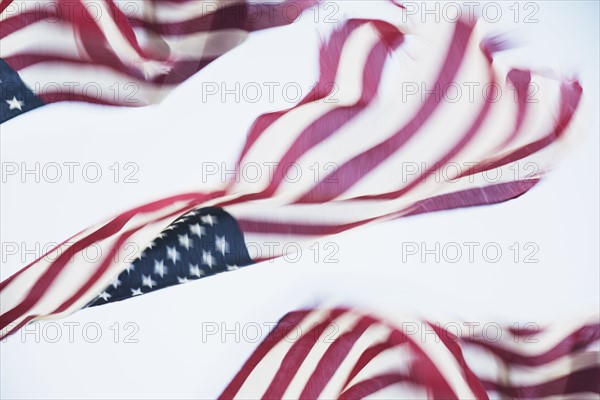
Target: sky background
{"points": [[174, 355]]}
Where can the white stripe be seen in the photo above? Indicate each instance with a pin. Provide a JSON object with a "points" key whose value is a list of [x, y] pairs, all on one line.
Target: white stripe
{"points": [[262, 375], [374, 334], [330, 333], [574, 396], [43, 37], [13, 293], [57, 38], [121, 46], [369, 128], [402, 391], [166, 12], [396, 359], [73, 275], [114, 87], [445, 362], [436, 136], [279, 136], [544, 340], [204, 44], [23, 6], [487, 366]]}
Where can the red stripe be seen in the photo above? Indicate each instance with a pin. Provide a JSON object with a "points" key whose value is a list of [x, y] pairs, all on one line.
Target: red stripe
{"points": [[4, 4], [574, 342], [520, 80], [452, 344], [330, 53], [330, 123], [390, 38], [12, 24], [582, 381], [112, 227], [570, 98], [17, 327], [368, 355], [13, 276], [465, 198], [295, 356], [124, 27], [229, 17], [114, 249], [283, 328], [180, 71], [466, 138], [250, 18], [333, 358], [293, 228], [372, 385], [356, 168], [473, 197], [422, 371]]}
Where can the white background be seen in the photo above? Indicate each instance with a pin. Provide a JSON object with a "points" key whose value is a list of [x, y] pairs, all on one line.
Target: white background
{"points": [[168, 141]]}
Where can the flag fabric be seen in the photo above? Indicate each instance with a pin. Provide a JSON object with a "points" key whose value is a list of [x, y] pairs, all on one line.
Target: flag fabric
{"points": [[204, 242], [116, 52], [343, 353], [385, 101]]}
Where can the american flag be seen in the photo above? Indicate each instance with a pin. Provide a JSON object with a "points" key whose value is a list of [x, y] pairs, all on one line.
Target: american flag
{"points": [[344, 353], [367, 126], [119, 52], [364, 119]]}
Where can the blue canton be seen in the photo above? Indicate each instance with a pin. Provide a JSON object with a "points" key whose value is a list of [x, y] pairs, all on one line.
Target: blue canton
{"points": [[201, 243], [15, 97]]}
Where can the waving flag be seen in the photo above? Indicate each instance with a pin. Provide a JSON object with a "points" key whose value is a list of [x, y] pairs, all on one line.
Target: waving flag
{"points": [[342, 353], [127, 53], [366, 119]]}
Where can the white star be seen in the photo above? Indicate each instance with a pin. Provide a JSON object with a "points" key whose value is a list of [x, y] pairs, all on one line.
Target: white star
{"points": [[232, 267], [129, 268], [172, 254], [147, 281], [197, 230], [15, 104], [162, 235], [136, 292], [184, 241], [160, 268], [152, 244], [196, 271], [208, 219], [207, 258], [182, 280], [116, 282], [105, 296], [222, 244]]}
